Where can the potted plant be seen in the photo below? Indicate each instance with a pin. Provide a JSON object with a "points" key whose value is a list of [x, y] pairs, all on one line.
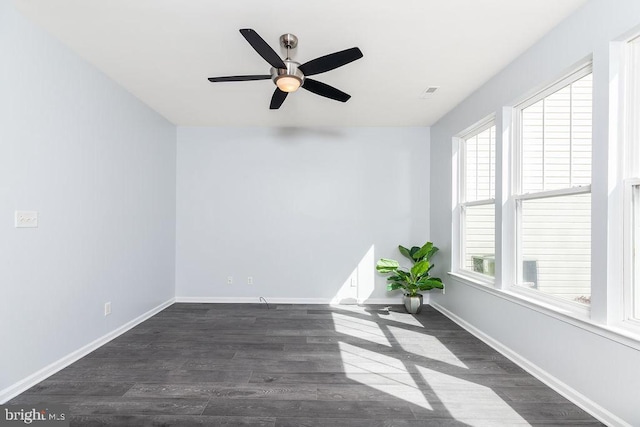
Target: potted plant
{"points": [[411, 281]]}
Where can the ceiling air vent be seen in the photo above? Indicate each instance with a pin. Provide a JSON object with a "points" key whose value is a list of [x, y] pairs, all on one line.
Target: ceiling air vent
{"points": [[428, 92]]}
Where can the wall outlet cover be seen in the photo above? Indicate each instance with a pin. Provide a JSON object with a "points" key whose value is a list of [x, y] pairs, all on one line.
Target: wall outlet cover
{"points": [[26, 219]]}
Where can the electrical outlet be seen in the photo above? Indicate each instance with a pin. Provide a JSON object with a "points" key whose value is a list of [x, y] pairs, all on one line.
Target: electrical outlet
{"points": [[107, 308], [26, 219], [250, 280], [230, 280]]}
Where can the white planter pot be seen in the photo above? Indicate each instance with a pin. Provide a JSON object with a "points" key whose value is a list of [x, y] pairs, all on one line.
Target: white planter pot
{"points": [[413, 304]]}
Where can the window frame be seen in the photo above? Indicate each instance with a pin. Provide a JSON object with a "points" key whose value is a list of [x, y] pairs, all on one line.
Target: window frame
{"points": [[613, 176], [461, 203], [631, 182], [631, 262], [518, 196]]}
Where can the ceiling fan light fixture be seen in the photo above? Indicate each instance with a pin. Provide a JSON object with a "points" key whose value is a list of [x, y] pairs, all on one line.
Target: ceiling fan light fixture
{"points": [[288, 83], [288, 79]]}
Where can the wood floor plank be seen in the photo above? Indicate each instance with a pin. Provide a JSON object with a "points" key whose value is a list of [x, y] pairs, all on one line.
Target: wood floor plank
{"points": [[83, 388], [435, 422], [168, 421], [169, 406], [310, 408], [226, 391], [304, 366], [165, 354], [107, 405]]}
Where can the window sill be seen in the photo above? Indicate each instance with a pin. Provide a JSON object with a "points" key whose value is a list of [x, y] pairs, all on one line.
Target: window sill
{"points": [[575, 318], [475, 278]]}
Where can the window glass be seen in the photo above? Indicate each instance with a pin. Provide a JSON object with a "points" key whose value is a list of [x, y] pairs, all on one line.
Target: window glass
{"points": [[556, 139], [554, 229], [477, 207], [556, 246], [480, 166], [479, 239], [635, 297]]}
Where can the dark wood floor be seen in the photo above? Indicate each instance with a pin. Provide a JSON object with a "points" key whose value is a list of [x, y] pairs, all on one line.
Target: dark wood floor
{"points": [[297, 365]]}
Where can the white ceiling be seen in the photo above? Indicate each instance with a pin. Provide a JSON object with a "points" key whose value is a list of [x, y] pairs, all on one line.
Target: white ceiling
{"points": [[162, 51]]}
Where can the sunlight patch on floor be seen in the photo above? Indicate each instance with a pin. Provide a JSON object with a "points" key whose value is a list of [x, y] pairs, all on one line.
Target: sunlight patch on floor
{"points": [[424, 345], [463, 398], [382, 369], [359, 328], [361, 360], [405, 319]]}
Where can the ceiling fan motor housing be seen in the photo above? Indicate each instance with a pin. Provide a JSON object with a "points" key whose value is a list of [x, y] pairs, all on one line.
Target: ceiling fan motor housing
{"points": [[291, 71]]}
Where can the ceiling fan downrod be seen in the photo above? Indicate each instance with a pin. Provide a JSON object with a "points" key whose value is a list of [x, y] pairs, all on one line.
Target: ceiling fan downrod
{"points": [[288, 79]]}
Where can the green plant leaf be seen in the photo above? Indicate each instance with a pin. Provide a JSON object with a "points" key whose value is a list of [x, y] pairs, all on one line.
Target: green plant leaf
{"points": [[420, 268], [394, 286], [413, 251], [400, 277], [404, 275], [423, 251], [387, 265], [425, 279], [428, 284], [432, 252], [404, 251], [412, 287]]}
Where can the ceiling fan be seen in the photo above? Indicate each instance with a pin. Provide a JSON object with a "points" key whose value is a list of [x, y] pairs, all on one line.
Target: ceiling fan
{"points": [[289, 75]]}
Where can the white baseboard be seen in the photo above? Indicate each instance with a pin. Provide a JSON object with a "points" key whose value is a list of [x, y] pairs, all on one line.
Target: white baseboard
{"points": [[44, 373], [570, 393], [385, 301], [219, 300], [274, 300], [251, 300]]}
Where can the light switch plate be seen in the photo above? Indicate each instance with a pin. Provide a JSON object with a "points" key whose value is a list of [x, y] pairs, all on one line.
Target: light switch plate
{"points": [[26, 219]]}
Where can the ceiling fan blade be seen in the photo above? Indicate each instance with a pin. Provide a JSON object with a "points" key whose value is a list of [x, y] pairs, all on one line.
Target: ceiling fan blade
{"points": [[262, 48], [330, 62], [239, 78], [325, 90], [277, 99]]}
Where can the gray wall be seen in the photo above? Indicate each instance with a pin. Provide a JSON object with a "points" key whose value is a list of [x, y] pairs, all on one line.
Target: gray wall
{"points": [[299, 210], [99, 167], [601, 369]]}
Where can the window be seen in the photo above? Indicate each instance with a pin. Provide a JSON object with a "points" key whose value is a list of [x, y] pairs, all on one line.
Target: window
{"points": [[477, 199], [634, 296], [632, 151], [553, 189]]}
